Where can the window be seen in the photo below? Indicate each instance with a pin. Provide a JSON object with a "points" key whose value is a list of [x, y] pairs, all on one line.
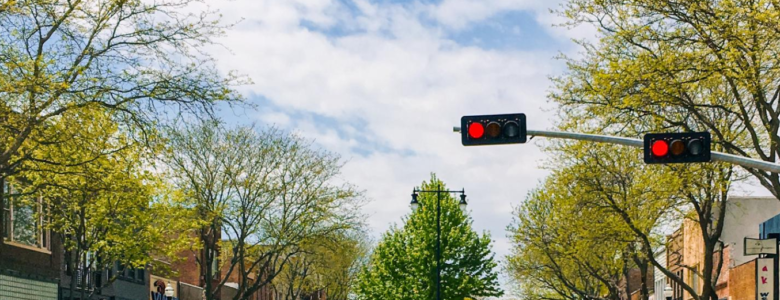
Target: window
{"points": [[139, 274], [214, 263], [678, 289], [23, 221], [130, 274], [659, 287]]}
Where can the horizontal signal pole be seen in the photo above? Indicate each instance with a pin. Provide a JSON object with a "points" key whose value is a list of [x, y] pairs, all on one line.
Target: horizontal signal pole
{"points": [[716, 156]]}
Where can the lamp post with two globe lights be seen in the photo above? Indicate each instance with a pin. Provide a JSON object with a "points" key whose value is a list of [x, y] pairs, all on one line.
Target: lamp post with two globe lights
{"points": [[415, 204]]}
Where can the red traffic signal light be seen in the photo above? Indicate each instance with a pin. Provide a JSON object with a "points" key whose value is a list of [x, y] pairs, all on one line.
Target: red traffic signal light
{"points": [[667, 148], [476, 131], [493, 129]]}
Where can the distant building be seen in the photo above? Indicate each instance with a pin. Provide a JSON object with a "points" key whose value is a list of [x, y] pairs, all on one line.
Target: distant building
{"points": [[659, 280], [743, 216], [130, 283], [736, 280]]}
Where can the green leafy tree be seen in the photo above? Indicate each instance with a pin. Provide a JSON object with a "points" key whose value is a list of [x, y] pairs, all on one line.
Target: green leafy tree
{"points": [[329, 264], [679, 66], [135, 61], [563, 250], [102, 207], [661, 65], [403, 265], [606, 192]]}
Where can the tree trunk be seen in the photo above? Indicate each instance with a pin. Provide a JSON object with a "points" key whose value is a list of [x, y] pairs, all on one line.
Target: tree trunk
{"points": [[627, 277], [71, 265], [83, 276], [645, 292]]}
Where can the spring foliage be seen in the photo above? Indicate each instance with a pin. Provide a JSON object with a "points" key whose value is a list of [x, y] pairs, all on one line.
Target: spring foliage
{"points": [[403, 265]]}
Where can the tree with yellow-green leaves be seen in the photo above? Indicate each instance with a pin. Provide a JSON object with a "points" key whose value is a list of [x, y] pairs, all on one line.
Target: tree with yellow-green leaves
{"points": [[84, 85], [106, 209], [677, 66], [661, 65], [328, 265], [569, 244], [136, 62], [602, 210], [556, 256]]}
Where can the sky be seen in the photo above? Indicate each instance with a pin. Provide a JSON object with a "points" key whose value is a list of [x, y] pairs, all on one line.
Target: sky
{"points": [[383, 82]]}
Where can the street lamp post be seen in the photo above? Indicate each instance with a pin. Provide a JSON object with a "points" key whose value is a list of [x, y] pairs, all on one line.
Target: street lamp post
{"points": [[414, 204]]}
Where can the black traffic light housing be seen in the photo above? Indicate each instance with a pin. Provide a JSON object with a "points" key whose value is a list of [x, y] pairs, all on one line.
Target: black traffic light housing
{"points": [[493, 129], [669, 148]]}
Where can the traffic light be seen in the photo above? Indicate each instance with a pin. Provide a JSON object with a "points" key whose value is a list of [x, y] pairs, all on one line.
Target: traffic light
{"points": [[668, 148], [493, 129]]}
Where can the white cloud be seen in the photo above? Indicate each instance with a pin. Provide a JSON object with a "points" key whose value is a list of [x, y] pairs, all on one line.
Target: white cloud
{"points": [[393, 88]]}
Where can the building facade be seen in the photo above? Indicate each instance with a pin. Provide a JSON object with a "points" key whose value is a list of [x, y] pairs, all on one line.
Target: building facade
{"points": [[129, 284], [30, 256], [736, 278], [659, 280]]}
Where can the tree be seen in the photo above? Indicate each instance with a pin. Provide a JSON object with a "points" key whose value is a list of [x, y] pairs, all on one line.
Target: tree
{"points": [[563, 250], [266, 193], [103, 210], [403, 265], [611, 183], [340, 264], [329, 264], [136, 61], [680, 65]]}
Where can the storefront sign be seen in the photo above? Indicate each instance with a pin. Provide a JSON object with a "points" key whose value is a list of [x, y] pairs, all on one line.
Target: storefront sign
{"points": [[757, 246], [765, 279]]}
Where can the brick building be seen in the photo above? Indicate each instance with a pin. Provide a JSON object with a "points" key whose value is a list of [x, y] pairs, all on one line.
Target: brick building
{"points": [[736, 279], [30, 256], [674, 261]]}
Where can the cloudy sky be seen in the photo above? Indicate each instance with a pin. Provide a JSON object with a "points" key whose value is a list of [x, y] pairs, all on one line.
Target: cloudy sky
{"points": [[383, 82]]}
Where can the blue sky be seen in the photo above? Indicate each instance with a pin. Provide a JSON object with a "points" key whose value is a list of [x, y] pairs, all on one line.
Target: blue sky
{"points": [[382, 83]]}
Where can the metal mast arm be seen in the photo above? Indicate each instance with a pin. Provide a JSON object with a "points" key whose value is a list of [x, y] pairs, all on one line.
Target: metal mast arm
{"points": [[716, 156]]}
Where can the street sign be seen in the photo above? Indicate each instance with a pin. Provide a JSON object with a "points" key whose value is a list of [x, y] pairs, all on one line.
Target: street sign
{"points": [[759, 246], [765, 279]]}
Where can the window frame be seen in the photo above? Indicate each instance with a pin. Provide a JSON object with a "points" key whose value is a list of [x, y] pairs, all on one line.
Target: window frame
{"points": [[43, 235], [124, 273], [214, 263]]}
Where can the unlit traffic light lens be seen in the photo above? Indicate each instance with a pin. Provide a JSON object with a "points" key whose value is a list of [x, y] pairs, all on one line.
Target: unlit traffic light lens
{"points": [[677, 147], [511, 130], [476, 130], [493, 129], [660, 148], [695, 147]]}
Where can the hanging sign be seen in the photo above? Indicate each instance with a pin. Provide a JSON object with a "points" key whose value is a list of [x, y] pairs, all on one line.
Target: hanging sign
{"points": [[765, 278], [758, 246]]}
